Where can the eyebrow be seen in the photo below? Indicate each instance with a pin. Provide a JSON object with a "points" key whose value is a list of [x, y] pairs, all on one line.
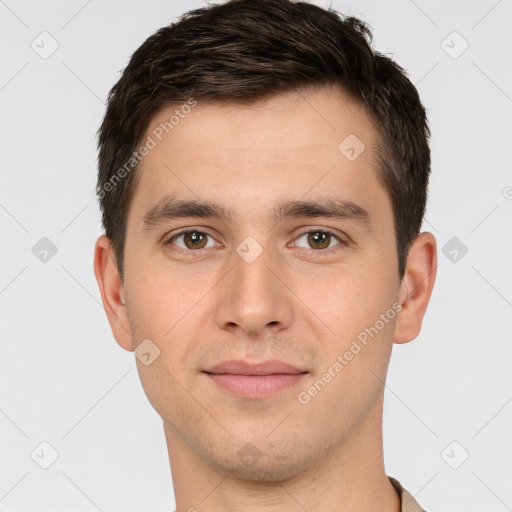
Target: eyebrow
{"points": [[169, 208]]}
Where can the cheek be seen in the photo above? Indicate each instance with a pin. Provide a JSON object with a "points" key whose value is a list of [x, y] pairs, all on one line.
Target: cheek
{"points": [[168, 392], [164, 313], [161, 309], [357, 346], [345, 299], [161, 299]]}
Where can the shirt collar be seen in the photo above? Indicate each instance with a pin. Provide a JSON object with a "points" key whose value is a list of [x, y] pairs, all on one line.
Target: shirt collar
{"points": [[408, 503]]}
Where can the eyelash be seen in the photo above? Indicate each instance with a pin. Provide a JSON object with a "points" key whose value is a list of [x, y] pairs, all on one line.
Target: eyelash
{"points": [[316, 251]]}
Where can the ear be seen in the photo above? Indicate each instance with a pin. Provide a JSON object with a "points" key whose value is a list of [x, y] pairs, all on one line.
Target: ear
{"points": [[112, 292], [416, 287]]}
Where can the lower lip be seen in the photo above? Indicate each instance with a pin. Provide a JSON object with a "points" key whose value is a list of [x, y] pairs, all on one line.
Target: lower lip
{"points": [[255, 386]]}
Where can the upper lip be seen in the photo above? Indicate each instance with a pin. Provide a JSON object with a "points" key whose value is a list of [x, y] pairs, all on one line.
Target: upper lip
{"points": [[270, 367]]}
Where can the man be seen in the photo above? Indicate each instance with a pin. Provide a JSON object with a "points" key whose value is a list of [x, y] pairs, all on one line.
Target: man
{"points": [[263, 178]]}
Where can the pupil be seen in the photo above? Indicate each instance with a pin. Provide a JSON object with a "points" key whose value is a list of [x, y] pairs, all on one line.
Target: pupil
{"points": [[319, 238], [195, 238]]}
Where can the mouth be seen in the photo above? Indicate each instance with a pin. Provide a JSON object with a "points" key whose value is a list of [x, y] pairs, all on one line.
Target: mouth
{"points": [[255, 380]]}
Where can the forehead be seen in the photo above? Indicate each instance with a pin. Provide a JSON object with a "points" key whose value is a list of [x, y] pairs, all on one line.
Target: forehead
{"points": [[296, 121], [252, 155]]}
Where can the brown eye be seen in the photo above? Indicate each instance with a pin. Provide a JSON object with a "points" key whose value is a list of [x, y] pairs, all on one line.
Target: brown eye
{"points": [[319, 240], [192, 240]]}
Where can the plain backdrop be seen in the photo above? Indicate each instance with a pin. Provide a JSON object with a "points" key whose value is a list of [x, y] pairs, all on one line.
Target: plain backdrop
{"points": [[64, 381]]}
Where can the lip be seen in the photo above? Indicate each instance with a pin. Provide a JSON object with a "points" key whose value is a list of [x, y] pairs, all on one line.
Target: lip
{"points": [[270, 367], [255, 380]]}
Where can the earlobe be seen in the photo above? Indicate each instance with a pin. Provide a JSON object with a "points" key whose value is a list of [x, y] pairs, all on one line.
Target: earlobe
{"points": [[416, 287], [112, 292]]}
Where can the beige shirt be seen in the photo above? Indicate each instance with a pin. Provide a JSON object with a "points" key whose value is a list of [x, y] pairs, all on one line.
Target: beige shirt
{"points": [[408, 503]]}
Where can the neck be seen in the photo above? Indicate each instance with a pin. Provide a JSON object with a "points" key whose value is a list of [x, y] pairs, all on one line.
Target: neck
{"points": [[350, 478]]}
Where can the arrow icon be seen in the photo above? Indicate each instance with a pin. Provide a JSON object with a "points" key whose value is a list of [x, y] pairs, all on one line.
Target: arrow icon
{"points": [[249, 249], [147, 352], [351, 147], [454, 45], [454, 249], [44, 250], [44, 455]]}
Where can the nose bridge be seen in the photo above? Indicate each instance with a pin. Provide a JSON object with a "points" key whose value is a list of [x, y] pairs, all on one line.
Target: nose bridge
{"points": [[251, 276], [252, 297]]}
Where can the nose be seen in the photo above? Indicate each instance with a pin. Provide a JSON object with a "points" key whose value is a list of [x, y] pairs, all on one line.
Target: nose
{"points": [[252, 298]]}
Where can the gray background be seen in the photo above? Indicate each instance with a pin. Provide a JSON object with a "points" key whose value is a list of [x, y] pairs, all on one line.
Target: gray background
{"points": [[64, 380]]}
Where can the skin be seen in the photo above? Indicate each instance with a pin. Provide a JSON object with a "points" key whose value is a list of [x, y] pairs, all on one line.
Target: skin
{"points": [[293, 303]]}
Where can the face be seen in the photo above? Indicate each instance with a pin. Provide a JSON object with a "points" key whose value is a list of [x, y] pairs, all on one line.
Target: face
{"points": [[290, 262]]}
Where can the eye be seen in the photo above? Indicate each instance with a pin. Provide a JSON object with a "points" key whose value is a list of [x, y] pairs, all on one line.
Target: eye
{"points": [[192, 240], [319, 240]]}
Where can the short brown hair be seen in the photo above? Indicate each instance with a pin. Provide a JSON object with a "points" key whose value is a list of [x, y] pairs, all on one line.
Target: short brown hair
{"points": [[245, 51]]}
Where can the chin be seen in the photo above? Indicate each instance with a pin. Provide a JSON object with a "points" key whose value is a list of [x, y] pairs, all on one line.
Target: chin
{"points": [[261, 472], [276, 462]]}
